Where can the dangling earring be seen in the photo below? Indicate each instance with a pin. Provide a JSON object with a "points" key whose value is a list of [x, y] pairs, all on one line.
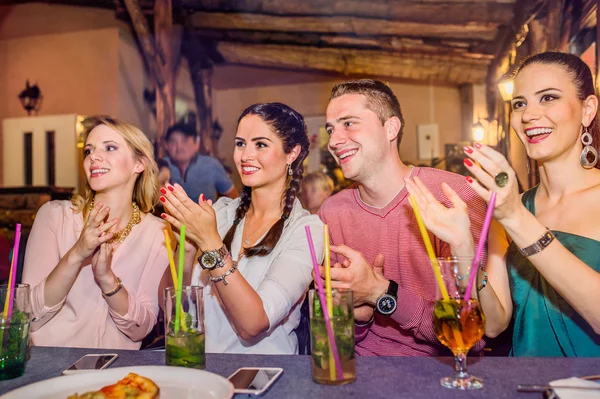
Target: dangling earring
{"points": [[586, 139], [290, 170]]}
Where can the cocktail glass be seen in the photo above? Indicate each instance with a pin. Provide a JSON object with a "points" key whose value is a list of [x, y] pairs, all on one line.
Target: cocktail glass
{"points": [[14, 331], [185, 340], [458, 322], [343, 330]]}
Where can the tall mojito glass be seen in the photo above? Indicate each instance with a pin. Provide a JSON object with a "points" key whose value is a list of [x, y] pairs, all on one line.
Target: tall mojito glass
{"points": [[343, 330], [185, 337], [14, 331], [458, 321]]}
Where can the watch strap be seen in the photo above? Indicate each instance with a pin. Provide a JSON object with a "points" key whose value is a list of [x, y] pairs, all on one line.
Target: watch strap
{"points": [[393, 289], [539, 245]]}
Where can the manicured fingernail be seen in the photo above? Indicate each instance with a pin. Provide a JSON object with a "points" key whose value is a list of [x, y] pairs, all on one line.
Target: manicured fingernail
{"points": [[477, 145], [163, 215], [163, 199], [162, 190], [202, 197], [468, 149], [468, 162], [469, 179], [171, 188]]}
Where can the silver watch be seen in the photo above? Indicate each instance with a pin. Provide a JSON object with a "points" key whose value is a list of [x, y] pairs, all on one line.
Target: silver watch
{"points": [[539, 245], [210, 260]]}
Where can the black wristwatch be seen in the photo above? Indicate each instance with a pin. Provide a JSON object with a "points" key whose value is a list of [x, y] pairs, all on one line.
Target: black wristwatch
{"points": [[388, 302], [213, 259]]}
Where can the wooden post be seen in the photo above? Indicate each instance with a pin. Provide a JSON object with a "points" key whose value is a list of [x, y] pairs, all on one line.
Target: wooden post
{"points": [[465, 93], [160, 57], [164, 57]]}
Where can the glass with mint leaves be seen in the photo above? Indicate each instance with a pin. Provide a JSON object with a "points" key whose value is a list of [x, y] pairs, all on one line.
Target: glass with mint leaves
{"points": [[184, 328], [15, 316], [342, 320], [458, 322]]}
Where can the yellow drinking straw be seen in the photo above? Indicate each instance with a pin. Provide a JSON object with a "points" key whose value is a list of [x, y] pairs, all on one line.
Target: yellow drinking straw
{"points": [[8, 288], [436, 266], [328, 295], [172, 267], [429, 248]]}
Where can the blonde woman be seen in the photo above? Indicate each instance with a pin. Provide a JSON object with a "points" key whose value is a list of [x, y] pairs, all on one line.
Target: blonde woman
{"points": [[95, 263]]}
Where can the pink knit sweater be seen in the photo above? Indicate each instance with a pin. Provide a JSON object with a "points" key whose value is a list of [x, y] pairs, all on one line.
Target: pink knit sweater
{"points": [[393, 231]]}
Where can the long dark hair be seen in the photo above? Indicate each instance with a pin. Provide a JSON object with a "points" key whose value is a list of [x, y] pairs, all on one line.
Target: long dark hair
{"points": [[290, 128], [581, 77]]}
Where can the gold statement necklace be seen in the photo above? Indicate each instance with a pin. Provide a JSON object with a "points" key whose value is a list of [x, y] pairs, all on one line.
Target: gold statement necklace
{"points": [[135, 218]]}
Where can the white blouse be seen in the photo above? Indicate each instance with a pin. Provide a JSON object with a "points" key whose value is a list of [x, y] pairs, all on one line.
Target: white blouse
{"points": [[281, 279]]}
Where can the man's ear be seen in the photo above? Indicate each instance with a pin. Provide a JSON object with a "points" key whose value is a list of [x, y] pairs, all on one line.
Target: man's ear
{"points": [[392, 127]]}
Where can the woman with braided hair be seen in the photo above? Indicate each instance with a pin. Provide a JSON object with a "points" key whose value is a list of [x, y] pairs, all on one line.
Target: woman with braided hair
{"points": [[254, 258]]}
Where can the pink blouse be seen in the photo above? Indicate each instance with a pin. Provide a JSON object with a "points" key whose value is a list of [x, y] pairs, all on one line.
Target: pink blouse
{"points": [[83, 318]]}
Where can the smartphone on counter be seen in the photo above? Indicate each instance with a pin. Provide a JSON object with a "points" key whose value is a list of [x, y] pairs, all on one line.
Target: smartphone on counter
{"points": [[254, 380], [91, 362]]}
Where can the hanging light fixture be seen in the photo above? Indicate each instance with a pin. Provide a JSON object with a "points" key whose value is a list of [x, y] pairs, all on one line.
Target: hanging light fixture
{"points": [[30, 97], [478, 131], [506, 87]]}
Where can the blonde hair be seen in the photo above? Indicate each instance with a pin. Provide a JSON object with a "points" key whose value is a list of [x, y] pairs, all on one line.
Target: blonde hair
{"points": [[320, 179], [145, 190]]}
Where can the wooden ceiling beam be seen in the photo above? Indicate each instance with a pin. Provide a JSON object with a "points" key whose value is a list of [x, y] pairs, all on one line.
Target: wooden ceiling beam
{"points": [[434, 12], [389, 43], [442, 68], [342, 25]]}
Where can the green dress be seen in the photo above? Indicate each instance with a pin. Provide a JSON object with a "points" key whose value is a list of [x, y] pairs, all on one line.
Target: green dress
{"points": [[544, 323]]}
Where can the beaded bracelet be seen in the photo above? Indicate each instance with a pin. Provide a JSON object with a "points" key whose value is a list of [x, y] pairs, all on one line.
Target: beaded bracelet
{"points": [[483, 282], [113, 292], [223, 276]]}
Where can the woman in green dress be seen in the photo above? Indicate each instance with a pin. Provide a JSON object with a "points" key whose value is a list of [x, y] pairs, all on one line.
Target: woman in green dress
{"points": [[543, 267]]}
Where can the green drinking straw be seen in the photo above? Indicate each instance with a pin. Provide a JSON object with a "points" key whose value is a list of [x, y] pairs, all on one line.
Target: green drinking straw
{"points": [[179, 278]]}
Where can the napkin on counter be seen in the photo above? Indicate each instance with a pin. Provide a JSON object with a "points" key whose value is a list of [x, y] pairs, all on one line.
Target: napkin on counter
{"points": [[566, 393]]}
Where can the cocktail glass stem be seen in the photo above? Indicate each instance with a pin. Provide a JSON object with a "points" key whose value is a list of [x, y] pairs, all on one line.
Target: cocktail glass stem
{"points": [[460, 364], [462, 379]]}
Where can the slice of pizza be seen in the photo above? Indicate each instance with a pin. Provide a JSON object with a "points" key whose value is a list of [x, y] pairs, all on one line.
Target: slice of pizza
{"points": [[133, 386]]}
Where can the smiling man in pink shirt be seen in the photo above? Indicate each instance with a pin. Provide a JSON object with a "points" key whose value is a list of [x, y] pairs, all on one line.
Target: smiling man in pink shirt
{"points": [[372, 223]]}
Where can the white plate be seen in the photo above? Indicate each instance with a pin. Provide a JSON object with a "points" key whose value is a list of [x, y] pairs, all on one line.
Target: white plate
{"points": [[174, 383]]}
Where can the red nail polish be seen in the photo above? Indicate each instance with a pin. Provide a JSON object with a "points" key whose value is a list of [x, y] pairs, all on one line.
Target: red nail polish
{"points": [[162, 190], [171, 188], [163, 215], [202, 197], [468, 149], [469, 179], [468, 162], [163, 199], [477, 145]]}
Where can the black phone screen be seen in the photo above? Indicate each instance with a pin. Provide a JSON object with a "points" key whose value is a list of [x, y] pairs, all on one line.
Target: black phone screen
{"points": [[255, 379], [91, 362]]}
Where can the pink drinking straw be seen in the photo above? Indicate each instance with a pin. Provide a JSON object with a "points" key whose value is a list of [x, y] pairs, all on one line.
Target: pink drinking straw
{"points": [[482, 238], [15, 262], [321, 291]]}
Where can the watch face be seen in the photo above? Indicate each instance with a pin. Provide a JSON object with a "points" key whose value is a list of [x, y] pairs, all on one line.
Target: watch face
{"points": [[386, 304], [208, 260]]}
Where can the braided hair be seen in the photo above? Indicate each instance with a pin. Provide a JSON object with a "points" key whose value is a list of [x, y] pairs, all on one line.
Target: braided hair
{"points": [[290, 128]]}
